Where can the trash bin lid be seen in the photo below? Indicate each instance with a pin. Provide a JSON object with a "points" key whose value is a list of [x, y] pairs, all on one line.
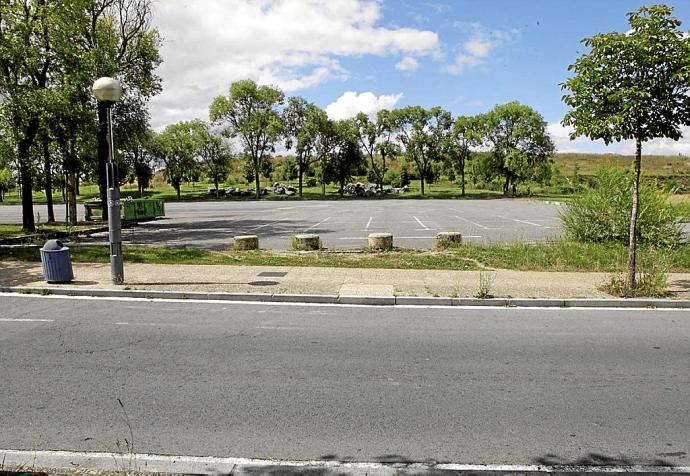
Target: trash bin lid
{"points": [[53, 245]]}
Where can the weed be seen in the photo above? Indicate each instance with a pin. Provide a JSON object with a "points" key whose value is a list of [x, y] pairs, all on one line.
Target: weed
{"points": [[485, 284]]}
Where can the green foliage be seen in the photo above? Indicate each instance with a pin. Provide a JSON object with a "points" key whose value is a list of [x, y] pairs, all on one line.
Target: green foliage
{"points": [[652, 278], [377, 141], [424, 135], [6, 181], [602, 214], [176, 147], [465, 135], [641, 79], [520, 145], [250, 114]]}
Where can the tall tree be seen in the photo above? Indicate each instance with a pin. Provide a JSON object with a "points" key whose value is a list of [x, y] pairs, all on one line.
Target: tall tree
{"points": [[297, 116], [520, 146], [214, 154], [633, 85], [377, 140], [465, 134], [345, 156], [250, 113], [423, 132], [26, 62], [176, 148]]}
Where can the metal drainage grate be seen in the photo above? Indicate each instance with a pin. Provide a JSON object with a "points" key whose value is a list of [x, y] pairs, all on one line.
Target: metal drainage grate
{"points": [[264, 283], [273, 274]]}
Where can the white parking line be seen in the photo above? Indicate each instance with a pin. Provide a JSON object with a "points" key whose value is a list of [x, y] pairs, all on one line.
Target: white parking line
{"points": [[369, 223], [472, 223], [520, 221], [424, 227], [319, 223], [26, 320], [265, 225], [408, 237]]}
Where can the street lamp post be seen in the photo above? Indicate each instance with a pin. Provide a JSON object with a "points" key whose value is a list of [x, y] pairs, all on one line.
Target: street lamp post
{"points": [[108, 91]]}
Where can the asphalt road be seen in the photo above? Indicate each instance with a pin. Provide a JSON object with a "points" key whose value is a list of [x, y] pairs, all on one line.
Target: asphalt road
{"points": [[351, 383], [341, 224]]}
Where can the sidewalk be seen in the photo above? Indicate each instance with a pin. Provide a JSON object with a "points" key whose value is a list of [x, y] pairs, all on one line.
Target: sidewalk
{"points": [[327, 281]]}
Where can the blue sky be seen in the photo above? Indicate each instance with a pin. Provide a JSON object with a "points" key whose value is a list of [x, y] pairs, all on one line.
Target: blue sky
{"points": [[464, 55]]}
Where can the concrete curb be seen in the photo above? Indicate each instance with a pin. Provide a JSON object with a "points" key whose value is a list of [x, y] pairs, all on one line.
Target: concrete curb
{"points": [[353, 300]]}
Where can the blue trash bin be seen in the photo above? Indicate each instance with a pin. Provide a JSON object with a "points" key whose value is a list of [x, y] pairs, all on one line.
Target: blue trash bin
{"points": [[57, 264]]}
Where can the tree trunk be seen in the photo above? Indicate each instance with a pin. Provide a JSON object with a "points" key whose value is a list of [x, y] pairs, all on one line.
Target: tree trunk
{"points": [[421, 183], [632, 248], [257, 180], [141, 188], [23, 152], [48, 173], [506, 187], [300, 173], [72, 198], [462, 177], [103, 157], [177, 186]]}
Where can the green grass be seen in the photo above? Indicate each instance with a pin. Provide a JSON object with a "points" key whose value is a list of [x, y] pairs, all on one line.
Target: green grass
{"points": [[13, 230], [556, 256]]}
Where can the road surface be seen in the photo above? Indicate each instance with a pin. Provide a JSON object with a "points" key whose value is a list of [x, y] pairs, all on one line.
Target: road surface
{"points": [[495, 386]]}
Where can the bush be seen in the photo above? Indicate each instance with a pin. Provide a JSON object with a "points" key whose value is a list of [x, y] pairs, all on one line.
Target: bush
{"points": [[602, 214], [652, 278]]}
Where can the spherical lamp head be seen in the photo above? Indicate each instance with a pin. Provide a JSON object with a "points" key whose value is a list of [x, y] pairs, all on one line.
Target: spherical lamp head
{"points": [[107, 90]]}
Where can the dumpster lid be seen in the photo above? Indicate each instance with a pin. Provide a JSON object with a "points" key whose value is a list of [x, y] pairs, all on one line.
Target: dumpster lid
{"points": [[53, 245]]}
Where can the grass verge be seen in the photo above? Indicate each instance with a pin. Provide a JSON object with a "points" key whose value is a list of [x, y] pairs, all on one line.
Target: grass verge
{"points": [[14, 230], [556, 256]]}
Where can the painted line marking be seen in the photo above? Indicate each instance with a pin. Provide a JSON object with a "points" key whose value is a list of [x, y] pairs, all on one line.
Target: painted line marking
{"points": [[424, 227], [265, 225], [319, 223], [408, 237], [369, 223], [338, 305], [26, 320], [148, 324], [473, 223], [520, 221], [200, 464]]}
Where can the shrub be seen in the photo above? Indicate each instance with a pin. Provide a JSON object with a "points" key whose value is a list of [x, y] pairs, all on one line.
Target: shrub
{"points": [[652, 278], [602, 214]]}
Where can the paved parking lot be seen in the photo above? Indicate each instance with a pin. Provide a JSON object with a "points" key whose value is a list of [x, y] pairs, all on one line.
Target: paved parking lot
{"points": [[343, 224]]}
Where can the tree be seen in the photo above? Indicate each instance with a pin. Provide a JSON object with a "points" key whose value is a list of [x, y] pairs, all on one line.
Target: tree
{"points": [[176, 147], [324, 136], [633, 85], [140, 155], [424, 133], [345, 156], [6, 181], [520, 146], [250, 113], [298, 118], [26, 61], [377, 140], [465, 134], [214, 154]]}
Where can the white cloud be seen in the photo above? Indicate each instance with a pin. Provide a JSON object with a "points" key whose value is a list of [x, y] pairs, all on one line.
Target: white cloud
{"points": [[477, 49], [351, 103], [293, 44], [561, 137], [661, 146], [408, 63]]}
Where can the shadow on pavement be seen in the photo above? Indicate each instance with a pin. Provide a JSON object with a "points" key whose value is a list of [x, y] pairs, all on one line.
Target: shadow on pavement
{"points": [[597, 459], [17, 274]]}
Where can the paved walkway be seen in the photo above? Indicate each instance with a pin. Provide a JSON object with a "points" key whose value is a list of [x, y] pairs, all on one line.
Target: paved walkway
{"points": [[343, 281]]}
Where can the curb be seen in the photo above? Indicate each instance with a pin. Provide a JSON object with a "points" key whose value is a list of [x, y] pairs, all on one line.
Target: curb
{"points": [[353, 300]]}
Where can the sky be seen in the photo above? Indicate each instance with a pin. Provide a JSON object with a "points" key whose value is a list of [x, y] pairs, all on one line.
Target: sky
{"points": [[348, 56]]}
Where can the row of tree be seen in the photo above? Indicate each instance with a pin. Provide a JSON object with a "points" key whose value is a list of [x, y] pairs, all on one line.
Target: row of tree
{"points": [[51, 52], [258, 118]]}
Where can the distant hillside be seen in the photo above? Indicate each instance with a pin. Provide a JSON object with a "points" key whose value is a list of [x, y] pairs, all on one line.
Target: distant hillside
{"points": [[652, 165]]}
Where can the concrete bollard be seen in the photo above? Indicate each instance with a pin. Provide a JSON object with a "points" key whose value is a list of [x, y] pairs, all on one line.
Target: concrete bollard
{"points": [[446, 239], [381, 241], [306, 242], [246, 243]]}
